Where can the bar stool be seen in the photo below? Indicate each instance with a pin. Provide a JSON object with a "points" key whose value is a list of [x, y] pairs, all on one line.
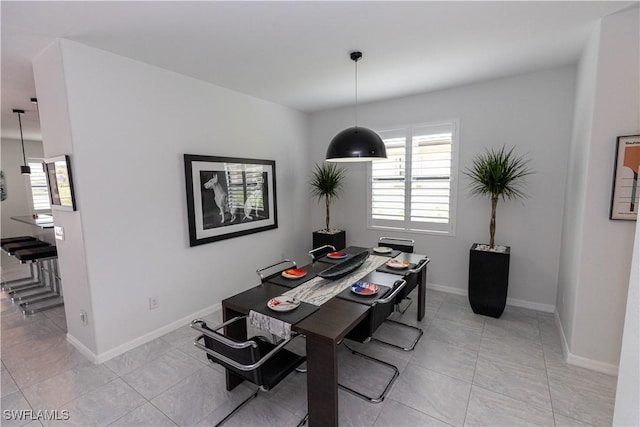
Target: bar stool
{"points": [[50, 296], [10, 246], [16, 239]]}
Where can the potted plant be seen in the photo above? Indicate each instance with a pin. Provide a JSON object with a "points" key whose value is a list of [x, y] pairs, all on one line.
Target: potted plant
{"points": [[497, 174], [326, 183]]}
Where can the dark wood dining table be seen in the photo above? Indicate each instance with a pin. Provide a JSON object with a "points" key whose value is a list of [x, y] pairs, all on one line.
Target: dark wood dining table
{"points": [[323, 329]]}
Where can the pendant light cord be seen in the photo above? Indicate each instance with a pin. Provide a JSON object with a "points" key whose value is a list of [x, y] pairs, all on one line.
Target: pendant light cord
{"points": [[356, 95], [24, 157]]}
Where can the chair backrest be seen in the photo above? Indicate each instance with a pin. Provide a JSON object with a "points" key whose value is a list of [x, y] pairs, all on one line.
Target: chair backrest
{"points": [[321, 251], [270, 271], [397, 243], [412, 279], [380, 310], [226, 351], [256, 360]]}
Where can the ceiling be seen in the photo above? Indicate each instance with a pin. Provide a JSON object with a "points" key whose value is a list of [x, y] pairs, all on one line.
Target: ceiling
{"points": [[297, 53]]}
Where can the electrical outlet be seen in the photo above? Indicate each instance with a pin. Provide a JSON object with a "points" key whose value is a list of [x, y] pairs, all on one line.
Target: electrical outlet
{"points": [[58, 232], [83, 317], [153, 302]]}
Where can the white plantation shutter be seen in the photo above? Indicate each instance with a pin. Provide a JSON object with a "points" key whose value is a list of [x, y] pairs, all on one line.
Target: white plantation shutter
{"points": [[388, 183], [424, 157], [39, 188]]}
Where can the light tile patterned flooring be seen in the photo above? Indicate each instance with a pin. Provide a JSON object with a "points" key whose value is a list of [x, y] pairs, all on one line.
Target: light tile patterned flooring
{"points": [[467, 370]]}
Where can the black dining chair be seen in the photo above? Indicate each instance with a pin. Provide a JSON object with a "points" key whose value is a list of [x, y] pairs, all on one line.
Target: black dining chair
{"points": [[321, 251], [380, 310], [404, 245], [270, 271], [412, 282], [255, 360], [397, 243]]}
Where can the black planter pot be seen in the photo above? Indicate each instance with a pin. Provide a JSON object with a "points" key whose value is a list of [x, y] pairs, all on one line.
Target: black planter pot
{"points": [[336, 240], [488, 281]]}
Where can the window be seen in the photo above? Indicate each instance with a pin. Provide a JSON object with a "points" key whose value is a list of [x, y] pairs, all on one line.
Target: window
{"points": [[414, 188], [39, 189], [245, 184]]}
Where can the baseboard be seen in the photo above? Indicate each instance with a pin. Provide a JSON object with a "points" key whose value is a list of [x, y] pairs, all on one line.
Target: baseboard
{"points": [[123, 348], [447, 289], [547, 308], [82, 348], [582, 362]]}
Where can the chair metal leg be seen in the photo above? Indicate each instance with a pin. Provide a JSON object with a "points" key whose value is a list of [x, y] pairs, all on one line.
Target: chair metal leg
{"points": [[303, 421], [237, 408], [244, 402], [382, 395], [412, 346], [401, 310], [9, 284]]}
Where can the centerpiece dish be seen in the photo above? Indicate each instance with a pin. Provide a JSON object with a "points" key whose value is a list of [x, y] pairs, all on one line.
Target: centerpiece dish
{"points": [[339, 270]]}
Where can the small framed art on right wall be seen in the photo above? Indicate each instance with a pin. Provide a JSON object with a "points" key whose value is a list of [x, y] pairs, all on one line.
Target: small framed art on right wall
{"points": [[625, 196]]}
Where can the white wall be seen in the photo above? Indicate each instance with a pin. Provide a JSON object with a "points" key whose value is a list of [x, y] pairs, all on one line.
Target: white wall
{"points": [[18, 200], [627, 410], [532, 112], [595, 290], [130, 124], [573, 219]]}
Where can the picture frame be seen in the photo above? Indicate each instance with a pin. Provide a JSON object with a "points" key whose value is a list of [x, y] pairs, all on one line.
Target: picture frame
{"points": [[229, 197], [60, 183], [625, 195]]}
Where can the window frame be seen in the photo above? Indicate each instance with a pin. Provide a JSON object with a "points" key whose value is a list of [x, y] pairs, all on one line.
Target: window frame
{"points": [[406, 225]]}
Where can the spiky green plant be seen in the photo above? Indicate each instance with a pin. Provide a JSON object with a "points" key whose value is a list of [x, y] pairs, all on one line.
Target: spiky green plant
{"points": [[498, 173], [326, 183]]}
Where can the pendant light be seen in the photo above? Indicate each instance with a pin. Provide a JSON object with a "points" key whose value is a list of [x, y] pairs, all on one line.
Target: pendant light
{"points": [[356, 144], [25, 169]]}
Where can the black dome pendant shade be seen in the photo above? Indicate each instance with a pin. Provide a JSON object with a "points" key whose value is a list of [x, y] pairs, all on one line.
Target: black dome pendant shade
{"points": [[356, 144]]}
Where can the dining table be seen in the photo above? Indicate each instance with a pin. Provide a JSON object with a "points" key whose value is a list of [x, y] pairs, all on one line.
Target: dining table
{"points": [[324, 317]]}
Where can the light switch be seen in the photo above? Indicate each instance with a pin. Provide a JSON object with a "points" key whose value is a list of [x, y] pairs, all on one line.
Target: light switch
{"points": [[59, 232]]}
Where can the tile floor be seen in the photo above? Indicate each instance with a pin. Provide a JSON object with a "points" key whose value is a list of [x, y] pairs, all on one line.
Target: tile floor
{"points": [[467, 370]]}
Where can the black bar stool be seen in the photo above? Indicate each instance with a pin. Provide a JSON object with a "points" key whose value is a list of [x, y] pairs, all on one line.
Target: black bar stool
{"points": [[50, 296], [10, 246], [16, 239]]}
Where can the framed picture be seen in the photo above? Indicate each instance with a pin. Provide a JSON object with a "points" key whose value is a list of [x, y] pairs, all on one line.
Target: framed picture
{"points": [[625, 195], [60, 183], [229, 197]]}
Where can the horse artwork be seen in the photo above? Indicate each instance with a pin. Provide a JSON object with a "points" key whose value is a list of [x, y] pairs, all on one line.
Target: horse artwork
{"points": [[220, 198], [229, 197], [254, 200]]}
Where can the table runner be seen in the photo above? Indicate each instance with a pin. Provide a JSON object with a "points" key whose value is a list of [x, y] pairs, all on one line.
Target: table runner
{"points": [[279, 322], [316, 291]]}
